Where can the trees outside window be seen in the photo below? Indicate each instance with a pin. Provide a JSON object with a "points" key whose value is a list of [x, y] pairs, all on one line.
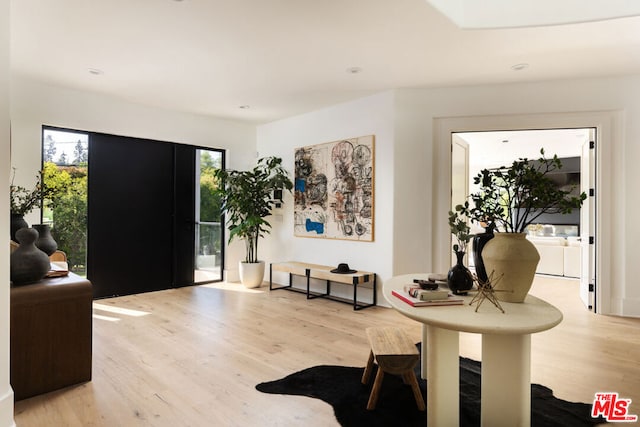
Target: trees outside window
{"points": [[65, 156]]}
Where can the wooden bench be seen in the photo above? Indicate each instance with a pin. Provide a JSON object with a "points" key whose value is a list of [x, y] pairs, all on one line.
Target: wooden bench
{"points": [[395, 354], [323, 272]]}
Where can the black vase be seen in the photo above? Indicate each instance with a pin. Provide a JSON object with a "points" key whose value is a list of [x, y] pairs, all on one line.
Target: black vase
{"points": [[28, 263], [17, 222], [459, 278], [479, 240], [45, 241]]}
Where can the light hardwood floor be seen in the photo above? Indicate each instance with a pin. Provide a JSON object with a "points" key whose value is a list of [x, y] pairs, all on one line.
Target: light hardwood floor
{"points": [[192, 357]]}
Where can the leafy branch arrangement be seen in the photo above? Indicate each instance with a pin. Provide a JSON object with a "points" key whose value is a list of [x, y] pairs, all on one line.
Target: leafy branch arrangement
{"points": [[247, 198], [512, 197], [24, 200], [460, 229]]}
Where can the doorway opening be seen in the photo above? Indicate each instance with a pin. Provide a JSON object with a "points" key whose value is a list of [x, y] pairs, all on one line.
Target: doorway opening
{"points": [[565, 242]]}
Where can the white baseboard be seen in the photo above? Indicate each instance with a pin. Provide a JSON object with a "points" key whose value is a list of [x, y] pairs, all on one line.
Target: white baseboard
{"points": [[6, 409], [231, 276], [631, 307]]}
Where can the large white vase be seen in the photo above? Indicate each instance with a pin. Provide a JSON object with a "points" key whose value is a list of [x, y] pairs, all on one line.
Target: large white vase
{"points": [[511, 260], [251, 273]]}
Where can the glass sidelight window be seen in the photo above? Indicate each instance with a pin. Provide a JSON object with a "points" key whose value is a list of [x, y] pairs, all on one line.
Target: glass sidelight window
{"points": [[209, 230], [65, 156]]}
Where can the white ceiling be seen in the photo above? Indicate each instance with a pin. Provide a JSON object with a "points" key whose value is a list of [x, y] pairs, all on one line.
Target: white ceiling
{"points": [[286, 57]]}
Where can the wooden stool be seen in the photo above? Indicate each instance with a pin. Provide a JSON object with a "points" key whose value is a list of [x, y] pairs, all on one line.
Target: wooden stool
{"points": [[395, 354]]}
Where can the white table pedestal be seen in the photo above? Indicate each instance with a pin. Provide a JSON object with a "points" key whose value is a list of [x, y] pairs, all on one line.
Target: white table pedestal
{"points": [[442, 375], [506, 377]]}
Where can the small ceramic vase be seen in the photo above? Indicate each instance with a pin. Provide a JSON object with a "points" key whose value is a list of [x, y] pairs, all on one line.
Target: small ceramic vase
{"points": [[45, 241], [459, 278]]}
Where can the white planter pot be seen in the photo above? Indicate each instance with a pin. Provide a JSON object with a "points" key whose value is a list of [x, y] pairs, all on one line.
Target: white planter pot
{"points": [[251, 274], [512, 260]]}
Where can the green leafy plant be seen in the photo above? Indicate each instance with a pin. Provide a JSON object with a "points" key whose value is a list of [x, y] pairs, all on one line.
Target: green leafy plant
{"points": [[247, 198], [513, 197], [69, 211], [24, 200], [459, 226]]}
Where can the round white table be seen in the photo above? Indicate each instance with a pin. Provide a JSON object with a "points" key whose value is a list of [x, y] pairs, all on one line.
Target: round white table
{"points": [[506, 353]]}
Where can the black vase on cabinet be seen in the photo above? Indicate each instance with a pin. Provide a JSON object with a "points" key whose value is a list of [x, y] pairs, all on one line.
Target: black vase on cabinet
{"points": [[45, 241], [28, 264], [17, 222], [459, 278], [479, 240]]}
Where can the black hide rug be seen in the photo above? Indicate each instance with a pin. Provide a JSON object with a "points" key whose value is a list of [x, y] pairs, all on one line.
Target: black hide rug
{"points": [[340, 387]]}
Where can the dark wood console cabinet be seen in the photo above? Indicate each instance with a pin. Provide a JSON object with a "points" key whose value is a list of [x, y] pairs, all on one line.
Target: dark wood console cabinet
{"points": [[51, 335]]}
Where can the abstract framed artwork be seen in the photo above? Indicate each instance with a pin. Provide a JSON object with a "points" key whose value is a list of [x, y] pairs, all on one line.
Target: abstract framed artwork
{"points": [[334, 190]]}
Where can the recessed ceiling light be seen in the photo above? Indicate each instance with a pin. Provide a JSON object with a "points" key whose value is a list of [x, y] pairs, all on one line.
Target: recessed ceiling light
{"points": [[519, 67], [96, 71], [354, 70], [244, 107], [505, 141]]}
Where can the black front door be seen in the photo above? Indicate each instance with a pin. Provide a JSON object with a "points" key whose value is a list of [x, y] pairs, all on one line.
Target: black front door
{"points": [[137, 235]]}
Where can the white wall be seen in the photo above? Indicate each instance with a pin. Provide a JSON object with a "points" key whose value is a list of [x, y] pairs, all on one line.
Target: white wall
{"points": [[368, 116], [413, 192], [34, 104], [6, 393]]}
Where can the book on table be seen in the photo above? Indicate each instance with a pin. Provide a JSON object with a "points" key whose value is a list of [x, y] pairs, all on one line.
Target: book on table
{"points": [[58, 269], [426, 294], [415, 302]]}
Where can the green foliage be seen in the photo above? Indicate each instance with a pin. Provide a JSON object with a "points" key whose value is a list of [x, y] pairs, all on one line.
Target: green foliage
{"points": [[511, 198], [209, 163], [80, 154], [56, 178], [210, 202], [23, 200], [459, 226], [68, 202], [70, 228], [246, 198], [50, 149]]}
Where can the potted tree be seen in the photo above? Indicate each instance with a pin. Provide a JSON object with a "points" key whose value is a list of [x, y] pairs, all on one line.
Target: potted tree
{"points": [[511, 198], [247, 199]]}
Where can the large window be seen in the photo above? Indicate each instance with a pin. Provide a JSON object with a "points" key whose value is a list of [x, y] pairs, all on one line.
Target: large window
{"points": [[208, 228], [65, 156]]}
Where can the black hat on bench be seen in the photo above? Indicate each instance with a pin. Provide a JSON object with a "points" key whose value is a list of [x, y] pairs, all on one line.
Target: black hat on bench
{"points": [[343, 268]]}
